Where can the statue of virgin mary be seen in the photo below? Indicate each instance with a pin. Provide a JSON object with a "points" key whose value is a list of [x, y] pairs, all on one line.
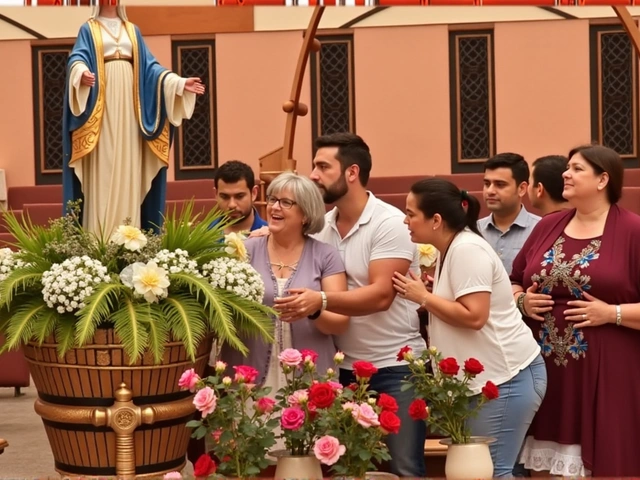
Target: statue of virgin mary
{"points": [[121, 107]]}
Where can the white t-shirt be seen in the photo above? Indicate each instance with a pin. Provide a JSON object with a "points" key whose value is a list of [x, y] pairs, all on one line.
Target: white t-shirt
{"points": [[378, 234], [505, 345]]}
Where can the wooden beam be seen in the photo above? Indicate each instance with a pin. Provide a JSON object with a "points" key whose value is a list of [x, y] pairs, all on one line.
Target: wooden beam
{"points": [[191, 20], [629, 25]]}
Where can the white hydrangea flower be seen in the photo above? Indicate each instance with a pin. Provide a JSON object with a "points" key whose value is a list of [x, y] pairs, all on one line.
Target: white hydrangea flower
{"points": [[131, 237], [9, 262], [66, 285], [176, 262], [235, 276]]}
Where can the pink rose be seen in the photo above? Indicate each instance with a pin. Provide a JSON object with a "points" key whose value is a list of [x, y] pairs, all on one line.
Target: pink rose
{"points": [[205, 401], [297, 398], [366, 416], [189, 380], [245, 374], [337, 387], [291, 357], [172, 476], [328, 450], [265, 405], [292, 418]]}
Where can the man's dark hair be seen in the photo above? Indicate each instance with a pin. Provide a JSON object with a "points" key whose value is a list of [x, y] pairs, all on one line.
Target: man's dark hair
{"points": [[513, 161], [352, 150], [233, 171], [548, 171]]}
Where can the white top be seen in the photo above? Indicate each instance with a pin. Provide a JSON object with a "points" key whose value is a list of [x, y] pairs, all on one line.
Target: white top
{"points": [[379, 234], [505, 345]]}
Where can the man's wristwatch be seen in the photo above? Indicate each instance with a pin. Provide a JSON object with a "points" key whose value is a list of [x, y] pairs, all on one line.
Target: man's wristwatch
{"points": [[322, 307]]}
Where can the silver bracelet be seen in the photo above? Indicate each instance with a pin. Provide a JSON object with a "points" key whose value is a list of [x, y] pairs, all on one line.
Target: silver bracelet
{"points": [[618, 315]]}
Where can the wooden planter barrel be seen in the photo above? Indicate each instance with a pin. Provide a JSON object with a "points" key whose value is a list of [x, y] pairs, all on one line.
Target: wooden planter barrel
{"points": [[104, 417]]}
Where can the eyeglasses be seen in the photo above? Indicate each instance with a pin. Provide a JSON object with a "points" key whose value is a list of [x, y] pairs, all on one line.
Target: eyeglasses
{"points": [[284, 202]]}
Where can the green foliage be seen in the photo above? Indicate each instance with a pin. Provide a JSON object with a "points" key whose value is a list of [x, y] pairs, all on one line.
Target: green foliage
{"points": [[188, 310]]}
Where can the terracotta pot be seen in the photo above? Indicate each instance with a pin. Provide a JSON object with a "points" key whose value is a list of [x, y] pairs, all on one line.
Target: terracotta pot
{"points": [[289, 466], [104, 417], [469, 461]]}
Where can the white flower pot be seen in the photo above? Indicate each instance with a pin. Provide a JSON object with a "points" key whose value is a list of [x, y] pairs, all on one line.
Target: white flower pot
{"points": [[469, 461]]}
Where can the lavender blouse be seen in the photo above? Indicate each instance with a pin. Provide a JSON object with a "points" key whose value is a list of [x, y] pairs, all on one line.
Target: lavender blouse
{"points": [[318, 260]]}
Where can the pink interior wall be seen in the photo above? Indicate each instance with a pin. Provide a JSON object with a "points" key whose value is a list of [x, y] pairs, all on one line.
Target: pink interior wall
{"points": [[254, 77], [402, 98], [16, 120], [402, 95], [542, 87]]}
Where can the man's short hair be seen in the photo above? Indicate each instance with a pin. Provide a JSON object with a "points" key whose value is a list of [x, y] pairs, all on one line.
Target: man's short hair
{"points": [[352, 150], [548, 171], [233, 171], [514, 162]]}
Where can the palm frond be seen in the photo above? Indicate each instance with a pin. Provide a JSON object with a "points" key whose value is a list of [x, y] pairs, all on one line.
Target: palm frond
{"points": [[130, 324], [158, 329], [196, 234], [31, 239], [65, 328], [99, 306], [20, 327], [18, 281], [251, 318], [183, 315], [44, 325]]}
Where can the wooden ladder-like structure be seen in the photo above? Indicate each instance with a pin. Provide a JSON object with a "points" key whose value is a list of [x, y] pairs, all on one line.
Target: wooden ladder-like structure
{"points": [[281, 159]]}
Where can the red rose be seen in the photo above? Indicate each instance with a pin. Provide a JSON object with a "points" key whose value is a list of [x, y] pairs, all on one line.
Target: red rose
{"points": [[322, 395], [403, 350], [418, 410], [364, 369], [389, 422], [387, 403], [204, 466], [473, 367], [490, 391], [245, 374], [449, 366], [353, 387], [309, 353]]}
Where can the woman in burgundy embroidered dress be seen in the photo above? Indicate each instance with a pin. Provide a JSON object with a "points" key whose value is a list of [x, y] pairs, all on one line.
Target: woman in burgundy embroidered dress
{"points": [[577, 280]]}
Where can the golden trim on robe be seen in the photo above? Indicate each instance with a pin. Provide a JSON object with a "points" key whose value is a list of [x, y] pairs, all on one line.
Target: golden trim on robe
{"points": [[85, 138], [160, 145]]}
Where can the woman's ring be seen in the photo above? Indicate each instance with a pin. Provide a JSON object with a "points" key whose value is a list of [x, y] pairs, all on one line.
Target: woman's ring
{"points": [[584, 316]]}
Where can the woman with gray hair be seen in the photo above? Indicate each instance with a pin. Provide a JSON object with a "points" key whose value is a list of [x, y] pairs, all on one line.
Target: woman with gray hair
{"points": [[289, 258]]}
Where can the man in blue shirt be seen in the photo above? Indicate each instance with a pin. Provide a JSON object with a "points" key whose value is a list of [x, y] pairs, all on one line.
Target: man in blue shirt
{"points": [[236, 192]]}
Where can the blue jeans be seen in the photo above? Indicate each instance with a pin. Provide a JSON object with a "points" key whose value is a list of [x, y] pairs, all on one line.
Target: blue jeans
{"points": [[406, 447], [507, 419]]}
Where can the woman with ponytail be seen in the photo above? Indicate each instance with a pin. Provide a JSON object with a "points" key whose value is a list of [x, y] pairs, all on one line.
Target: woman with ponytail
{"points": [[473, 314]]}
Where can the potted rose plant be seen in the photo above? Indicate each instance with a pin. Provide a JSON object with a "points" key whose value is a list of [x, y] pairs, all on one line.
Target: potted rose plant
{"points": [[354, 424], [237, 415], [445, 402], [304, 392]]}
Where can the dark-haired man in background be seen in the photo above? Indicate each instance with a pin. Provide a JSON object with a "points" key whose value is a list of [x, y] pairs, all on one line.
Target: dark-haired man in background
{"points": [[546, 184], [236, 191], [506, 177]]}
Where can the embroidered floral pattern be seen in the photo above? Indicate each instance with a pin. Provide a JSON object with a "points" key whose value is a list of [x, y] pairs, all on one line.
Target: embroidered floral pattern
{"points": [[567, 274]]}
